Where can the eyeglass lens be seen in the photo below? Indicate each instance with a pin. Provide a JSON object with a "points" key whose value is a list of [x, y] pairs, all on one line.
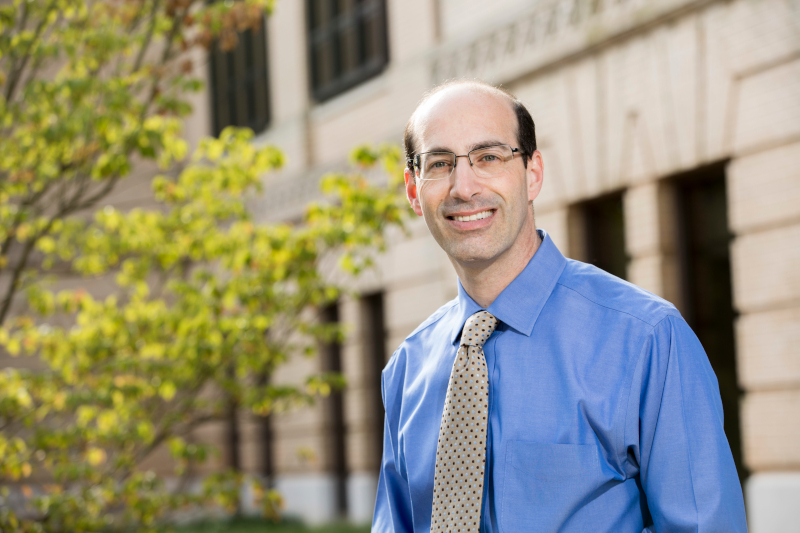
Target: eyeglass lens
{"points": [[486, 162]]}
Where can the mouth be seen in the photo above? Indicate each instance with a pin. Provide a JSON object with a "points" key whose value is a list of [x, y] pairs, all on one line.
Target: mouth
{"points": [[475, 216], [471, 221]]}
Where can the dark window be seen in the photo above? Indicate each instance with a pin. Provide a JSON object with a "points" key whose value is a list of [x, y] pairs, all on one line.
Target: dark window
{"points": [[347, 43], [267, 442], [704, 254], [239, 88], [374, 329], [336, 430], [233, 433], [601, 234], [233, 436]]}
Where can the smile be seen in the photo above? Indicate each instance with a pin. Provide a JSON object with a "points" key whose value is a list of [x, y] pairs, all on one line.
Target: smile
{"points": [[476, 216]]}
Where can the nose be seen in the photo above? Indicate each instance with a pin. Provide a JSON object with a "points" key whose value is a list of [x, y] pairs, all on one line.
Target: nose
{"points": [[465, 183]]}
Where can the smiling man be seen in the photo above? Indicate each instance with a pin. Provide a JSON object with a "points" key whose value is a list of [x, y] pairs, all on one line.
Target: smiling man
{"points": [[548, 396]]}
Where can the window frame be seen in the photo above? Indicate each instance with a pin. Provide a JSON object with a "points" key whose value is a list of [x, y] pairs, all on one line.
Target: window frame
{"points": [[257, 113], [333, 30]]}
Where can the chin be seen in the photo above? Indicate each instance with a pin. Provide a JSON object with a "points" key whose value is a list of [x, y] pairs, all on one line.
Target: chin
{"points": [[472, 250], [473, 255]]}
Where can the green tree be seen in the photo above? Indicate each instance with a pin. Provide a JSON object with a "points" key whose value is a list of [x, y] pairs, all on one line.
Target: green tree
{"points": [[203, 298]]}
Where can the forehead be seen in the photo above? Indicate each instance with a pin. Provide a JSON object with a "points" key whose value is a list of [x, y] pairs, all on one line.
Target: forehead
{"points": [[460, 117]]}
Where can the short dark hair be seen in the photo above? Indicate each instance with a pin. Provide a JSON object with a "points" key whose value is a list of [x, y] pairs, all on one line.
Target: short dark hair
{"points": [[526, 129]]}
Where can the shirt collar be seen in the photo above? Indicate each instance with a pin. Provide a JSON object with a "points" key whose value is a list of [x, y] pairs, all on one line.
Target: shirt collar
{"points": [[522, 300]]}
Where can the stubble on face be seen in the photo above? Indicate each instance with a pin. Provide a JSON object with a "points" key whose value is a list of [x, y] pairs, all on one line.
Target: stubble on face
{"points": [[457, 119], [473, 247]]}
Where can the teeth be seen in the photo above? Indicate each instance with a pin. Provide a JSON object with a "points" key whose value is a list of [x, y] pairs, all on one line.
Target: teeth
{"points": [[476, 216]]}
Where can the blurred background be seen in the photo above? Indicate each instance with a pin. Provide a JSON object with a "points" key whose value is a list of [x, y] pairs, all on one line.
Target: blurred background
{"points": [[670, 132]]}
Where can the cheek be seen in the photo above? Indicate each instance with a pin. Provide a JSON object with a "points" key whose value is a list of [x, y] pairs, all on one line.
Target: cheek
{"points": [[514, 202], [429, 199]]}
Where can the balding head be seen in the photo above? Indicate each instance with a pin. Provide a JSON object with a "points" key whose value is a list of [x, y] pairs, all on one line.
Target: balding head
{"points": [[471, 92]]}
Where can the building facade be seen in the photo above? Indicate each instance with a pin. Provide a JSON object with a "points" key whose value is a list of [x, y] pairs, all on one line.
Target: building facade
{"points": [[670, 132]]}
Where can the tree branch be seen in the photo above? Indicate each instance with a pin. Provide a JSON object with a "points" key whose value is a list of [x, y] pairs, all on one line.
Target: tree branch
{"points": [[16, 273], [19, 27], [29, 201], [99, 195], [16, 74], [34, 70], [148, 37], [163, 434], [76, 202], [72, 205], [166, 55]]}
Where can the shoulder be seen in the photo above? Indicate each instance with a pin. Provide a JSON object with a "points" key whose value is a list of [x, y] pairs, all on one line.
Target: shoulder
{"points": [[419, 334], [433, 319], [413, 357], [599, 288]]}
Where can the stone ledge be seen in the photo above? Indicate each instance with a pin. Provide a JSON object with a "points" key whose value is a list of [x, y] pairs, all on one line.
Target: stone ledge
{"points": [[772, 500]]}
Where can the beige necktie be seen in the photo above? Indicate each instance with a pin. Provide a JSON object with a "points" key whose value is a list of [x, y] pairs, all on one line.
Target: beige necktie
{"points": [[461, 452]]}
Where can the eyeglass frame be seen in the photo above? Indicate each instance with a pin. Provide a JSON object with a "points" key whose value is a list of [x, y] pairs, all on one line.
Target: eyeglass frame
{"points": [[415, 162]]}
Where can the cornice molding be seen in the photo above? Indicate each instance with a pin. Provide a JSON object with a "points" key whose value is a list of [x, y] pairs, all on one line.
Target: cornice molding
{"points": [[552, 32]]}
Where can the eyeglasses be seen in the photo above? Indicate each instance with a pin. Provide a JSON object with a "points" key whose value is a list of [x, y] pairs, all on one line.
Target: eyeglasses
{"points": [[487, 162]]}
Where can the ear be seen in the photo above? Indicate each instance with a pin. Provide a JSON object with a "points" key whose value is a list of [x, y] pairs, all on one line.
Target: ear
{"points": [[412, 192], [535, 175]]}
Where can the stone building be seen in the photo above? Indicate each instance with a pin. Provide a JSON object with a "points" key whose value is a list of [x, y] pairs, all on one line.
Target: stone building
{"points": [[670, 131]]}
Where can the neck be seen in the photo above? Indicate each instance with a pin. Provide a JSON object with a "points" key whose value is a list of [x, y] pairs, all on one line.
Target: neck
{"points": [[484, 282]]}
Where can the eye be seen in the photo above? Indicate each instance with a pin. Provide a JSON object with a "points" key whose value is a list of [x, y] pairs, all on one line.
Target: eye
{"points": [[489, 158], [441, 164]]}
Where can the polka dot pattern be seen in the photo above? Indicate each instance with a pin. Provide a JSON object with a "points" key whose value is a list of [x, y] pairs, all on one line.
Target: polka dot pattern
{"points": [[461, 452]]}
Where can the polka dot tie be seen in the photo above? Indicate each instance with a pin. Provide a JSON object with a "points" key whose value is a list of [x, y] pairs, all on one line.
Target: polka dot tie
{"points": [[461, 452]]}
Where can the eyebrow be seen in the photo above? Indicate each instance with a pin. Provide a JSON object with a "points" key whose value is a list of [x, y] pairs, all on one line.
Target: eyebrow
{"points": [[485, 144], [474, 146]]}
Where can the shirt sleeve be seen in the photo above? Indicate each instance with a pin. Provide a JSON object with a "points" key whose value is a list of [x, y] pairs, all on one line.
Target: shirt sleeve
{"points": [[393, 503], [675, 435]]}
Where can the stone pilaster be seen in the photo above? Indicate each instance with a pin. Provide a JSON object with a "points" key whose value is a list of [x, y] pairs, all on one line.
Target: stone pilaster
{"points": [[650, 239]]}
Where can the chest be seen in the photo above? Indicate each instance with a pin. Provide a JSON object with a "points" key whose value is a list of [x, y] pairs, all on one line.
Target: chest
{"points": [[545, 391], [557, 408]]}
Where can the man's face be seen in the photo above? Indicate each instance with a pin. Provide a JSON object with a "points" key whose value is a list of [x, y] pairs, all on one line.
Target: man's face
{"points": [[457, 120]]}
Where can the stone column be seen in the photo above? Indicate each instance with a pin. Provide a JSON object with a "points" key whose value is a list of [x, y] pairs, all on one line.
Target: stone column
{"points": [[764, 194], [359, 415], [556, 223], [650, 239]]}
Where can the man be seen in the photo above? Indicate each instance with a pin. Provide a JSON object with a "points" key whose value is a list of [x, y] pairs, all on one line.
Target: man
{"points": [[548, 396]]}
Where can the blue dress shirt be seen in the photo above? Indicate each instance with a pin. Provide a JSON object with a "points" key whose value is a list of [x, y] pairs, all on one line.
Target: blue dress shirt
{"points": [[604, 413]]}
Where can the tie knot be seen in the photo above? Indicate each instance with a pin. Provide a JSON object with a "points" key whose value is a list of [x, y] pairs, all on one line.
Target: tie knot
{"points": [[478, 329]]}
